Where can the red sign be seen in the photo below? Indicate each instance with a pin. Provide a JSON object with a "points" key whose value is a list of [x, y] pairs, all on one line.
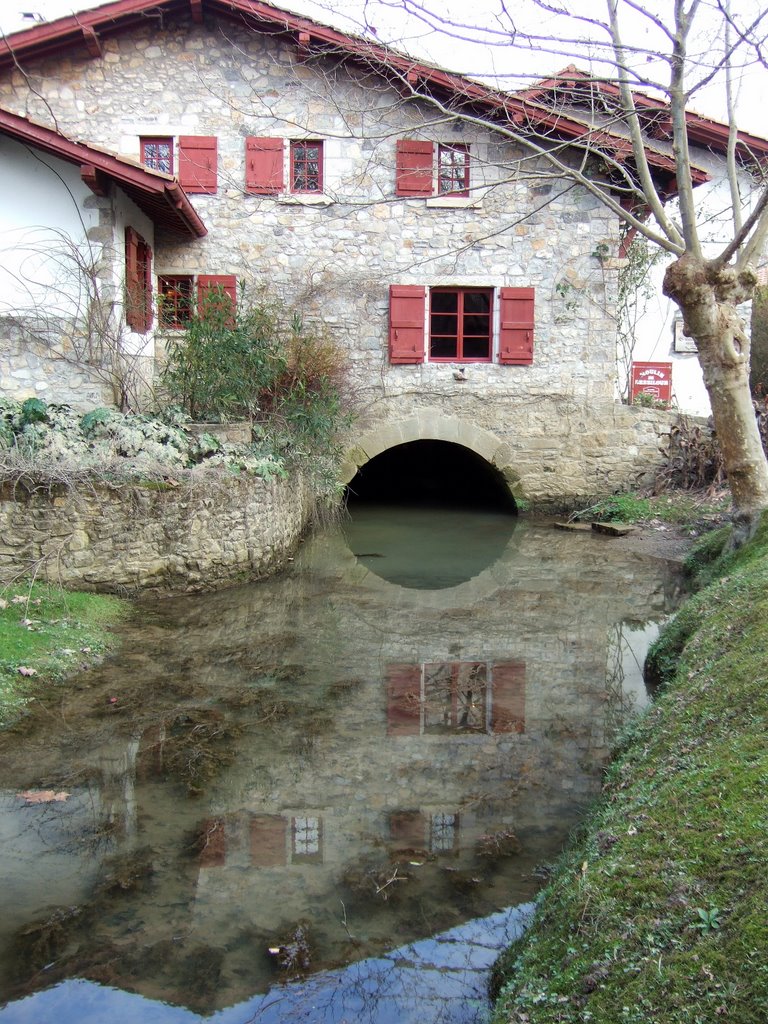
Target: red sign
{"points": [[652, 379]]}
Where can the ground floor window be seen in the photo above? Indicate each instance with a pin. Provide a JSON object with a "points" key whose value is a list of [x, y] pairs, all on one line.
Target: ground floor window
{"points": [[175, 300], [460, 324], [181, 296], [453, 324]]}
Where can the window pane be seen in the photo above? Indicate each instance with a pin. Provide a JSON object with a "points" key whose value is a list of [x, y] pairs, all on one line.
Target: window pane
{"points": [[157, 154], [445, 302], [444, 324], [453, 169], [476, 348], [442, 348], [174, 301], [477, 302], [476, 325]]}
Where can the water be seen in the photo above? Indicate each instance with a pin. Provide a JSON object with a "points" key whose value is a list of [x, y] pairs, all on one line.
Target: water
{"points": [[321, 797]]}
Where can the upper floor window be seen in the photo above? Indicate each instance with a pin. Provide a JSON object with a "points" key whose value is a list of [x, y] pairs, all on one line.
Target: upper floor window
{"points": [[453, 170], [197, 160], [460, 324], [306, 166], [420, 173], [157, 153]]}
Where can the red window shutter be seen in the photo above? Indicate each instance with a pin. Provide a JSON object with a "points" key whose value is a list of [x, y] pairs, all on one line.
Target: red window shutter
{"points": [[197, 163], [413, 168], [403, 700], [407, 304], [517, 320], [148, 311], [264, 165], [508, 697], [134, 317], [211, 282]]}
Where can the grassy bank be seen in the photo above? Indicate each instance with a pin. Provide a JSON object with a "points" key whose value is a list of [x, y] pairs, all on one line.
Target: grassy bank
{"points": [[46, 634], [659, 912]]}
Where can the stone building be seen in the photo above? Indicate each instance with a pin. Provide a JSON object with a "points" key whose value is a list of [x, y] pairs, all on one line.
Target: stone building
{"points": [[473, 288]]}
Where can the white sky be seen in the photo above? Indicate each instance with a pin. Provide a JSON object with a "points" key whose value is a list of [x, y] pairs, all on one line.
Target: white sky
{"points": [[393, 26]]}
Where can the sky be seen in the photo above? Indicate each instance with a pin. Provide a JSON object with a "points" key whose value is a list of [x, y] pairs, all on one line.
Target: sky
{"points": [[388, 21]]}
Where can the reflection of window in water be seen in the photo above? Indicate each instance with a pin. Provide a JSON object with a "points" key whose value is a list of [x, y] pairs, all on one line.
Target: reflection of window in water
{"points": [[454, 696], [307, 836], [444, 832]]}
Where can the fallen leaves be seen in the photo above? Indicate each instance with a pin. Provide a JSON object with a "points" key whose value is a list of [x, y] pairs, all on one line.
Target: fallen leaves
{"points": [[43, 796]]}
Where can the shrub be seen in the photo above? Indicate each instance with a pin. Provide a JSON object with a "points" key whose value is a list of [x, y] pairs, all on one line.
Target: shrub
{"points": [[225, 360]]}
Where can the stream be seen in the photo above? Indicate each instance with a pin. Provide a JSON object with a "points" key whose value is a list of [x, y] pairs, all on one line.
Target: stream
{"points": [[329, 796]]}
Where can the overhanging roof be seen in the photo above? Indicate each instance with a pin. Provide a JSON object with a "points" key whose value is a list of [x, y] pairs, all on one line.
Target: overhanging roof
{"points": [[530, 111], [158, 195]]}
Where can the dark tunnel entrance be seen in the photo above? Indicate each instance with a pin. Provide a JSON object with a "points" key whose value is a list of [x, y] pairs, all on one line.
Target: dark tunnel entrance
{"points": [[431, 474]]}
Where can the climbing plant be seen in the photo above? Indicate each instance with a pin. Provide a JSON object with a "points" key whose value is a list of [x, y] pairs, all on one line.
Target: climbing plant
{"points": [[635, 289]]}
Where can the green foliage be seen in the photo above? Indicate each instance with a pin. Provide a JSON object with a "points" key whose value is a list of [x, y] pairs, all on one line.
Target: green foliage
{"points": [[263, 363], [681, 509], [47, 633], [223, 362], [33, 411], [118, 445], [644, 401], [657, 913]]}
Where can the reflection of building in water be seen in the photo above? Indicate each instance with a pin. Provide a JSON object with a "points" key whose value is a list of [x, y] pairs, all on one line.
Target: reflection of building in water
{"points": [[417, 732], [445, 697]]}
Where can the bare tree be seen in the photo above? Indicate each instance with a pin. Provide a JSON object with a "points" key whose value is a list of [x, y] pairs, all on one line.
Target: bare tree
{"points": [[648, 61], [68, 303]]}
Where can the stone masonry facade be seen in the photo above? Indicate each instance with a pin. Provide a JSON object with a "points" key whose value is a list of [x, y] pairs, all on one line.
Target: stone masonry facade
{"points": [[556, 432], [193, 536]]}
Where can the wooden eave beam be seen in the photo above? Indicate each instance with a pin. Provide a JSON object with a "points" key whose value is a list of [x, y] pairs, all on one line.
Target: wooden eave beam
{"points": [[92, 42], [94, 179]]}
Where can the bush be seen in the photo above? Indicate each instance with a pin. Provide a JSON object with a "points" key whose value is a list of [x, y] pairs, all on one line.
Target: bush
{"points": [[265, 364], [224, 362]]}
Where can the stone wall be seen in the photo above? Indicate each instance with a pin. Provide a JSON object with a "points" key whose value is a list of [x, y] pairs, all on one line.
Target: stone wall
{"points": [[556, 432], [553, 451], [192, 536]]}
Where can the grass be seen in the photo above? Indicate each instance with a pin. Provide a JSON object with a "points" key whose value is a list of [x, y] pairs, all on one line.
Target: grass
{"points": [[46, 634], [679, 508], [659, 910]]}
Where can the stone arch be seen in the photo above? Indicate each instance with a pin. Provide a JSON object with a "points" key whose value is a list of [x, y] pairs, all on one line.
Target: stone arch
{"points": [[430, 426]]}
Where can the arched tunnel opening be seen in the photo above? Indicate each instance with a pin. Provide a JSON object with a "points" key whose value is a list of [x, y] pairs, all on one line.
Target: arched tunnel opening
{"points": [[431, 474]]}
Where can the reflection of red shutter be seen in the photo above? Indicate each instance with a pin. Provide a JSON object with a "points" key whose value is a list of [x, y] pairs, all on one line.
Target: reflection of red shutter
{"points": [[408, 829], [413, 168], [403, 700], [264, 165], [406, 323], [207, 283], [508, 697], [213, 843], [197, 163], [517, 320], [268, 839]]}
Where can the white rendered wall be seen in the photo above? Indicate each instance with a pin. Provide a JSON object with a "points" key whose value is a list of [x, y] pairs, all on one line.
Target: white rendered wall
{"points": [[42, 214], [656, 327]]}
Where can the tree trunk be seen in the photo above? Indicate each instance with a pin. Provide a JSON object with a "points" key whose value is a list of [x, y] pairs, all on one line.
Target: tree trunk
{"points": [[708, 295]]}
